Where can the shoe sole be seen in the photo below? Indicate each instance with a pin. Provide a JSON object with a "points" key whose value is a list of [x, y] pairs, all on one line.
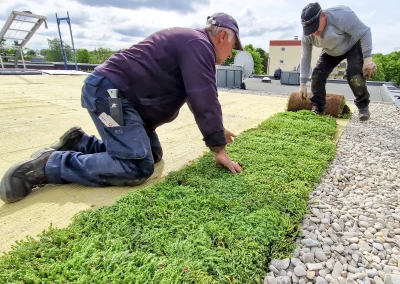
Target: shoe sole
{"points": [[64, 138], [6, 177], [364, 118], [4, 185]]}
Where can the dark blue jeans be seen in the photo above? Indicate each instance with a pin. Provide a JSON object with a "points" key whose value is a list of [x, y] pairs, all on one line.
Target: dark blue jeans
{"points": [[125, 155], [357, 83]]}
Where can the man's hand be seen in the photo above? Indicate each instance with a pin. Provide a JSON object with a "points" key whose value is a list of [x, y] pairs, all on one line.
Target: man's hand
{"points": [[369, 68], [303, 91], [229, 136], [222, 159]]}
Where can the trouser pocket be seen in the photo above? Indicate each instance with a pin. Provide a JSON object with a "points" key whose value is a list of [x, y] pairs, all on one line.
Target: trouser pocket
{"points": [[89, 91], [127, 142]]}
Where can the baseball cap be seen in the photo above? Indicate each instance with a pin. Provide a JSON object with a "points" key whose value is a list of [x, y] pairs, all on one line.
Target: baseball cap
{"points": [[310, 18], [226, 21]]}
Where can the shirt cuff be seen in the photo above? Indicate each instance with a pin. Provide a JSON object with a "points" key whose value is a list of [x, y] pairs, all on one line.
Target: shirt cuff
{"points": [[215, 139], [367, 54], [303, 79]]}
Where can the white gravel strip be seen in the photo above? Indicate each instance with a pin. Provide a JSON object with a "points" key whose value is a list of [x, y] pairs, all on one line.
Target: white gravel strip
{"points": [[352, 233]]}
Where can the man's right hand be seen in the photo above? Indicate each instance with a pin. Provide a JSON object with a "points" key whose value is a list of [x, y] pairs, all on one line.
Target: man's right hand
{"points": [[303, 91], [222, 159], [369, 68]]}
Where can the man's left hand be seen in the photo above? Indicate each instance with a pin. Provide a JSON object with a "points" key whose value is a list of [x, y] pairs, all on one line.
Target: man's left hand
{"points": [[369, 68], [229, 136]]}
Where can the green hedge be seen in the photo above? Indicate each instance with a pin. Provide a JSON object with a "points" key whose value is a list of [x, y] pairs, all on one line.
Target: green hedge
{"points": [[201, 225]]}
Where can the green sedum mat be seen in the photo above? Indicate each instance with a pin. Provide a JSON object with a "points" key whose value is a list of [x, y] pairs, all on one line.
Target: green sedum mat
{"points": [[201, 225]]}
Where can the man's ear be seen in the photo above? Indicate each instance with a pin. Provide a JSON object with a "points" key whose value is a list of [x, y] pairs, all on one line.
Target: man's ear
{"points": [[224, 35]]}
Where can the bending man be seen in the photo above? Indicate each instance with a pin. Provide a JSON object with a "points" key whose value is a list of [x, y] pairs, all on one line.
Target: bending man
{"points": [[341, 35], [154, 78]]}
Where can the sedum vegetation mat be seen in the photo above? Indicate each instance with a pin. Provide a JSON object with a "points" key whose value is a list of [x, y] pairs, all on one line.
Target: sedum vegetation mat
{"points": [[201, 225]]}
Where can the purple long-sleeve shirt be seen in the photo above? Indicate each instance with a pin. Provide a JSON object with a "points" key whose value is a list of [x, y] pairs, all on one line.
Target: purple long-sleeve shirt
{"points": [[165, 70]]}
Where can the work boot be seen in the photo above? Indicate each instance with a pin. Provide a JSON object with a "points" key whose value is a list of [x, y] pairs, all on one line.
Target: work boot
{"points": [[68, 141], [363, 114], [23, 177], [318, 110]]}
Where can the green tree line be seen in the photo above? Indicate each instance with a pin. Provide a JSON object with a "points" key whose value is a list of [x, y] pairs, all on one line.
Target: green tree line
{"points": [[260, 58], [388, 64], [99, 55], [96, 56], [388, 67]]}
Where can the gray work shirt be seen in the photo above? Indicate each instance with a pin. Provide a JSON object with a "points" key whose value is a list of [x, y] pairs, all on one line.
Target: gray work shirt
{"points": [[343, 30]]}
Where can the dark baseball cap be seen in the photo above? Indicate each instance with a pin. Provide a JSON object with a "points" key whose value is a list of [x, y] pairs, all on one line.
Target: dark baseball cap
{"points": [[226, 21], [310, 18]]}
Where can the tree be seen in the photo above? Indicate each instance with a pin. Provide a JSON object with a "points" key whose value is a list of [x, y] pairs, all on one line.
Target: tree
{"points": [[31, 52], [262, 52], [82, 56], [3, 51], [388, 67], [258, 66], [229, 61], [54, 53], [380, 75], [256, 58], [2, 44], [101, 54], [264, 56], [44, 52], [93, 59], [12, 52]]}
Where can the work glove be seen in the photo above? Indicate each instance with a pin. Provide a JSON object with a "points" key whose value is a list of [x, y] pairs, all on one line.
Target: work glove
{"points": [[369, 67], [303, 91]]}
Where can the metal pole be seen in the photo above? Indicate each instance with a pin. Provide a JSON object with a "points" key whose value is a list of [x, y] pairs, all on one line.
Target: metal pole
{"points": [[22, 56], [72, 40], [62, 46], [16, 59]]}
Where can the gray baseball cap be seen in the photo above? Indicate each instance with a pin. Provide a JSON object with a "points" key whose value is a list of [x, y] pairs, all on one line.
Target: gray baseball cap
{"points": [[226, 21]]}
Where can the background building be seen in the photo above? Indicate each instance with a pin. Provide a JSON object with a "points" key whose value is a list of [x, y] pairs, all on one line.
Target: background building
{"points": [[286, 54]]}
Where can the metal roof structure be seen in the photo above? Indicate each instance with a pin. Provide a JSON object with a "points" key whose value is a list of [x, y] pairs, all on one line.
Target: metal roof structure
{"points": [[19, 29]]}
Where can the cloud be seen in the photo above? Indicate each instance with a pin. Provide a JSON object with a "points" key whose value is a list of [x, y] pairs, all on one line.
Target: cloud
{"points": [[252, 26], [121, 23], [81, 18], [135, 31], [4, 14], [183, 6], [47, 32]]}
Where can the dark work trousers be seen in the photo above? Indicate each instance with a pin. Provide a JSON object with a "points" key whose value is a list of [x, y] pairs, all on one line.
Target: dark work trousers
{"points": [[125, 155], [357, 83]]}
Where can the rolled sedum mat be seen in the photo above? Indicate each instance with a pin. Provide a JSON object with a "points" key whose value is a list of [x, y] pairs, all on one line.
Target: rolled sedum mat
{"points": [[335, 104]]}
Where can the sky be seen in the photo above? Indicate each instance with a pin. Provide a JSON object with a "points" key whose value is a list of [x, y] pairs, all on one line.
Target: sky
{"points": [[118, 24]]}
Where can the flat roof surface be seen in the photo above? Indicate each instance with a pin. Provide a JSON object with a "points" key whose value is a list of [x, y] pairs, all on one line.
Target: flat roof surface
{"points": [[36, 110], [377, 93]]}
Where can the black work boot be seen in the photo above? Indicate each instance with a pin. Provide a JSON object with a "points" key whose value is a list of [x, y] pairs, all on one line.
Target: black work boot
{"points": [[363, 114], [318, 110], [23, 177], [68, 141]]}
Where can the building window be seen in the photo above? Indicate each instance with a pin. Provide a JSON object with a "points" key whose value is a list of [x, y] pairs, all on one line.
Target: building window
{"points": [[281, 61], [283, 48]]}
